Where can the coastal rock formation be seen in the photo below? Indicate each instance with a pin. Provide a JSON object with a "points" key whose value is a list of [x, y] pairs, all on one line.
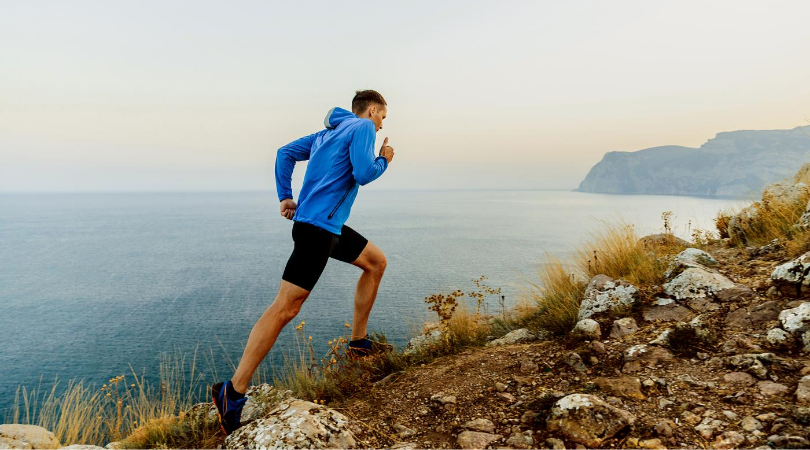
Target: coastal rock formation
{"points": [[732, 164]]}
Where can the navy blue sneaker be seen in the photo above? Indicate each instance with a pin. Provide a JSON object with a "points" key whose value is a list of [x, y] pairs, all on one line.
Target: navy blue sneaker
{"points": [[229, 410], [360, 348]]}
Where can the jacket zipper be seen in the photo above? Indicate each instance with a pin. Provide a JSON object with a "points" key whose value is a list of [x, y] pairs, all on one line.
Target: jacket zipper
{"points": [[345, 194]]}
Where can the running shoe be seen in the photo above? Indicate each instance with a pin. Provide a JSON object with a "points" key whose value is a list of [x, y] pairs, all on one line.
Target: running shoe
{"points": [[229, 410], [360, 348]]}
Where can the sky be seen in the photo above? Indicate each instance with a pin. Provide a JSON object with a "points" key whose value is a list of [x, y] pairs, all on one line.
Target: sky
{"points": [[100, 96]]}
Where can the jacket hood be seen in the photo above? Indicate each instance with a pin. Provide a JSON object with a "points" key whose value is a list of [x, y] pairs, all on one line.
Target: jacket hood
{"points": [[335, 116]]}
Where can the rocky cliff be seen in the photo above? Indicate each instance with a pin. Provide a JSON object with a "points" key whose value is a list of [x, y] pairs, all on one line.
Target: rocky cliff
{"points": [[733, 164]]}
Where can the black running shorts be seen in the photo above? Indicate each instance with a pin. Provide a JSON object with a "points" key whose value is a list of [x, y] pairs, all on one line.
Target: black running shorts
{"points": [[313, 248]]}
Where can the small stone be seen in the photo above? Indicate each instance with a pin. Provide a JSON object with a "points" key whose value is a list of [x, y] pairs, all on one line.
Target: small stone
{"points": [[623, 327], [729, 439], [663, 429], [690, 418], [507, 396], [573, 360], [664, 403], [597, 347], [513, 337], [779, 338], [803, 391], [643, 355], [739, 378], [587, 329], [403, 431], [500, 387], [652, 444], [708, 427], [730, 415], [476, 439], [481, 424], [627, 386], [528, 418], [555, 444], [770, 388], [520, 440], [750, 423], [527, 365]]}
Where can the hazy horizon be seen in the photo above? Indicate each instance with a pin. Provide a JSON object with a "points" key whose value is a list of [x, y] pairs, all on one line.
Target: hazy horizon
{"points": [[184, 96]]}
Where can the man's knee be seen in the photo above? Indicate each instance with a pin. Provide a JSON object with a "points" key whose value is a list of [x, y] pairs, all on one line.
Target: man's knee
{"points": [[377, 263], [290, 300]]}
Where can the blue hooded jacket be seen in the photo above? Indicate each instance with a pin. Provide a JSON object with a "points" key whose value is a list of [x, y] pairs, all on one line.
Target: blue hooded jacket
{"points": [[341, 159]]}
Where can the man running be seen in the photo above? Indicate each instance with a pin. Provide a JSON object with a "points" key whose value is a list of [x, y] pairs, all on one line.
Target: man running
{"points": [[341, 159]]}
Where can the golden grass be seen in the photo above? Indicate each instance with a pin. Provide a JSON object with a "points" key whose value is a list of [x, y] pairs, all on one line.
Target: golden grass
{"points": [[775, 219], [557, 293], [614, 251], [83, 413]]}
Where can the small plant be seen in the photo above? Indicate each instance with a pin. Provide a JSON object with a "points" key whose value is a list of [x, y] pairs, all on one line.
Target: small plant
{"points": [[444, 306], [721, 223]]}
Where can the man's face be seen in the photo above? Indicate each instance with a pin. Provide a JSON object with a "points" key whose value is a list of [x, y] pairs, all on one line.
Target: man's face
{"points": [[377, 114]]}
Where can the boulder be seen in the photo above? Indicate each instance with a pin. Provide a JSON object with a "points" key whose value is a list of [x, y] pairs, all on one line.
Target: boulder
{"points": [[27, 436], [587, 329], [784, 193], [295, 424], [606, 295], [691, 258], [587, 419], [695, 283], [514, 337]]}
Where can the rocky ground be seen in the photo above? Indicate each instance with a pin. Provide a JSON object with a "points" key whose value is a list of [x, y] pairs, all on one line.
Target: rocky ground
{"points": [[732, 390]]}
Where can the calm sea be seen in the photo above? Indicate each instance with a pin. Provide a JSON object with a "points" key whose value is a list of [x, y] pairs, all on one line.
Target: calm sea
{"points": [[93, 283]]}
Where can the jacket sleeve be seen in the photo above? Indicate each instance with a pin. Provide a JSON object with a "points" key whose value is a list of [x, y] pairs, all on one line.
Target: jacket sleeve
{"points": [[286, 157], [365, 167]]}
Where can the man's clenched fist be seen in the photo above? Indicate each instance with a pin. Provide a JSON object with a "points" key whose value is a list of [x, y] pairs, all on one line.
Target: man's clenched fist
{"points": [[287, 208], [387, 151]]}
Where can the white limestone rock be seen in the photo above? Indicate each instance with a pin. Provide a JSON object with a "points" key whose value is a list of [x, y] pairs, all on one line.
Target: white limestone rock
{"points": [[606, 295]]}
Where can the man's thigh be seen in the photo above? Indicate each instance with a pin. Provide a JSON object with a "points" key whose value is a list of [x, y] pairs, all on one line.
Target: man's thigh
{"points": [[350, 245], [313, 245]]}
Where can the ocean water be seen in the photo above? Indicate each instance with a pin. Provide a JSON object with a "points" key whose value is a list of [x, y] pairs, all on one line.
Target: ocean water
{"points": [[94, 285]]}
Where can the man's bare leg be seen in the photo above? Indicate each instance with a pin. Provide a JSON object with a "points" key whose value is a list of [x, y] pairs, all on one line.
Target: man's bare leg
{"points": [[373, 262], [264, 333]]}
